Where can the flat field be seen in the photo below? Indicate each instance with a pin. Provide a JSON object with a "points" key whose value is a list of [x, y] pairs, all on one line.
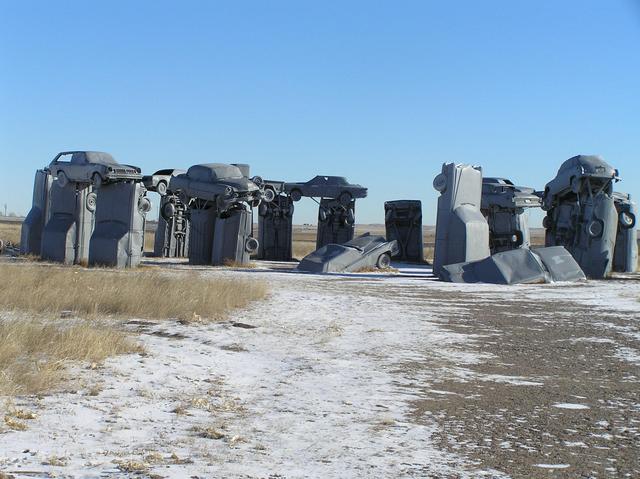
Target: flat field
{"points": [[343, 375]]}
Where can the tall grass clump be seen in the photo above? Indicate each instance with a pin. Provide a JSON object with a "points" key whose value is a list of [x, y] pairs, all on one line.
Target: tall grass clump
{"points": [[35, 352], [135, 294]]}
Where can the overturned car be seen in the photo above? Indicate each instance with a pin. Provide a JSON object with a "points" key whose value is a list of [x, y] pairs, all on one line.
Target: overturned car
{"points": [[364, 251], [516, 266]]}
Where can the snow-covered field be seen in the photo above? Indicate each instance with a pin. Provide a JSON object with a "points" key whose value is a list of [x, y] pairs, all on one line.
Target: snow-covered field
{"points": [[336, 376]]}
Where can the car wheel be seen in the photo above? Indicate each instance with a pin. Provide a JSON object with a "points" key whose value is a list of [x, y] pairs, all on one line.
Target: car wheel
{"points": [[63, 180], [384, 261], [168, 211], [144, 205], [251, 245], [91, 201], [351, 217], [345, 198], [440, 182], [161, 189], [595, 228], [627, 220], [296, 195], [96, 179], [269, 195]]}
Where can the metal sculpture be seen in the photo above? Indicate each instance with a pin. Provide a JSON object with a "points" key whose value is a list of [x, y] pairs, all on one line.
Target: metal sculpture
{"points": [[462, 233], [403, 223], [581, 214], [504, 206]]}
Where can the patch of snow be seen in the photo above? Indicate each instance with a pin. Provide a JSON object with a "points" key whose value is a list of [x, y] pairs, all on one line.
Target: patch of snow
{"points": [[568, 405]]}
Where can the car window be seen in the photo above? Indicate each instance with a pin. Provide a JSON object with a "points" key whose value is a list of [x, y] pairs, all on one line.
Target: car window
{"points": [[65, 158]]}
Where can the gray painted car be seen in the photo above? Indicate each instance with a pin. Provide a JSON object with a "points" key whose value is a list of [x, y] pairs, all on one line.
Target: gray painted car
{"points": [[223, 184], [365, 251], [91, 167], [581, 214], [159, 181], [326, 187]]}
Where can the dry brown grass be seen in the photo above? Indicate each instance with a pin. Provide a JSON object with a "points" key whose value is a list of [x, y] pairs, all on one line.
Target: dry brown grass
{"points": [[34, 352], [135, 294], [237, 264], [149, 240], [302, 248], [10, 232]]}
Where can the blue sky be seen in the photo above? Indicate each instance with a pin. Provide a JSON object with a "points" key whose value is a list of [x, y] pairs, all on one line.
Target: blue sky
{"points": [[380, 92]]}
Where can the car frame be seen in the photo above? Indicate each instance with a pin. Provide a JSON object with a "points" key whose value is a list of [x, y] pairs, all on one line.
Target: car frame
{"points": [[159, 181], [322, 186], [91, 167], [363, 252], [220, 183]]}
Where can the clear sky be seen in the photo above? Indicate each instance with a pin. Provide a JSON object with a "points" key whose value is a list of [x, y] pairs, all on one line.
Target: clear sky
{"points": [[380, 92]]}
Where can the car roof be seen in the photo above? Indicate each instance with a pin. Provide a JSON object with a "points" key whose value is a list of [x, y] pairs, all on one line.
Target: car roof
{"points": [[214, 171]]}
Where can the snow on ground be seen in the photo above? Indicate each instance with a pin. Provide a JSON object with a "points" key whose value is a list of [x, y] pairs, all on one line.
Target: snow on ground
{"points": [[308, 383]]}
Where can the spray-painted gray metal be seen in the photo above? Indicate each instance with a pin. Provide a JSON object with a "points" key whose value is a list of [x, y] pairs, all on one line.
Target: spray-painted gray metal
{"points": [[92, 167], [365, 251], [403, 223], [462, 233], [337, 187], [275, 229], [202, 224], [625, 258], [218, 197], [503, 205], [171, 239], [223, 185], [232, 240], [336, 222], [118, 236], [33, 224], [540, 265], [581, 215], [159, 181], [66, 235]]}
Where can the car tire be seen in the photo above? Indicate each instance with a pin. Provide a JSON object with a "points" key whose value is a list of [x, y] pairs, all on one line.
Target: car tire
{"points": [[296, 195], [161, 189], [62, 179], [350, 217], [251, 245], [384, 261], [91, 201], [144, 205], [269, 195], [345, 198], [627, 220], [168, 211], [595, 228], [440, 183], [97, 181]]}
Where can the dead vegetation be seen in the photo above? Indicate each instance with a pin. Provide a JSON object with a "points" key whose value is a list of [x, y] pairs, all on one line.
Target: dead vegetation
{"points": [[10, 232], [147, 294], [35, 352], [229, 263]]}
